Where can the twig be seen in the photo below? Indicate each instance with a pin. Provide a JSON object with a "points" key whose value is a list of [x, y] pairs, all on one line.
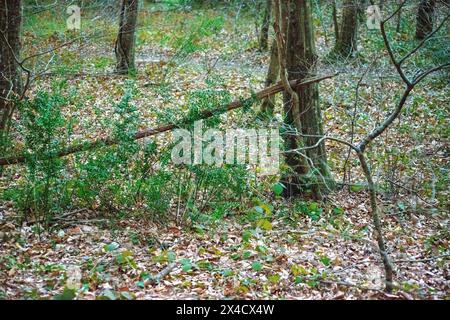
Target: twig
{"points": [[162, 274], [64, 215], [348, 284], [352, 130]]}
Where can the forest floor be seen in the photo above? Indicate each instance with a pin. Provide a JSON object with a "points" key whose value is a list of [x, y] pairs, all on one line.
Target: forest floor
{"points": [[329, 254], [298, 258]]}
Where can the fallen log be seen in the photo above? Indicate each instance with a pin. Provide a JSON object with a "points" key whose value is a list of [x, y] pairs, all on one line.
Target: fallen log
{"points": [[108, 141]]}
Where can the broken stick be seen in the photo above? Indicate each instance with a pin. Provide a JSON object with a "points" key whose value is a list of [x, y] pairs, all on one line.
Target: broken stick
{"points": [[162, 274]]}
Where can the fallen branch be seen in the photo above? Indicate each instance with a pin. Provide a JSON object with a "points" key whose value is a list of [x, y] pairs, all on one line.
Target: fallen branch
{"points": [[71, 213], [109, 141], [162, 274], [348, 284]]}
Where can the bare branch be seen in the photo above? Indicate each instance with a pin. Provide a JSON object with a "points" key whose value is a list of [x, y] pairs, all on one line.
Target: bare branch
{"points": [[395, 12], [424, 40], [426, 73], [392, 56], [387, 122]]}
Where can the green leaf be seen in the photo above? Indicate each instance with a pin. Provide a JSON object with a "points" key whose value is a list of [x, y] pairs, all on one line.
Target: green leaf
{"points": [[275, 278], [262, 249], [204, 265], [228, 273], [325, 260], [278, 188], [256, 266], [298, 270], [313, 206], [246, 235], [267, 209], [111, 247], [235, 256], [186, 265], [171, 256], [67, 294], [145, 276], [265, 224], [356, 188]]}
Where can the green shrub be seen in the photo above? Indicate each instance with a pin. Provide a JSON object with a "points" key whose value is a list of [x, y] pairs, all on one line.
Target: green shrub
{"points": [[39, 192]]}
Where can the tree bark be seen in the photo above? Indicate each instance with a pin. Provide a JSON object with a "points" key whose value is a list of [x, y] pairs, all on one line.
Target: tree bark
{"points": [[268, 104], [264, 35], [425, 18], [377, 223], [10, 80], [335, 22], [346, 44], [126, 39], [301, 61]]}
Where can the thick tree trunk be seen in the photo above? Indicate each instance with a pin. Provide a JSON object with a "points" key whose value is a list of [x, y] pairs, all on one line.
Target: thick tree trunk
{"points": [[10, 79], [425, 18], [125, 43], [301, 63], [346, 44], [264, 35]]}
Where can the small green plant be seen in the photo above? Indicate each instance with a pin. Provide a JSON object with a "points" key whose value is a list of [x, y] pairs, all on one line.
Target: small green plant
{"points": [[311, 209], [125, 259]]}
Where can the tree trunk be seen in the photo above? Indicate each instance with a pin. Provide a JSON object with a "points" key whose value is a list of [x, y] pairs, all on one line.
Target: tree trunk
{"points": [[346, 44], [125, 43], [10, 81], [425, 18], [264, 35], [273, 73], [362, 7], [335, 21], [301, 63]]}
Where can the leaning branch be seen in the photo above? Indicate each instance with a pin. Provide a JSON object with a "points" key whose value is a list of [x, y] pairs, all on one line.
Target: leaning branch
{"points": [[109, 141]]}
